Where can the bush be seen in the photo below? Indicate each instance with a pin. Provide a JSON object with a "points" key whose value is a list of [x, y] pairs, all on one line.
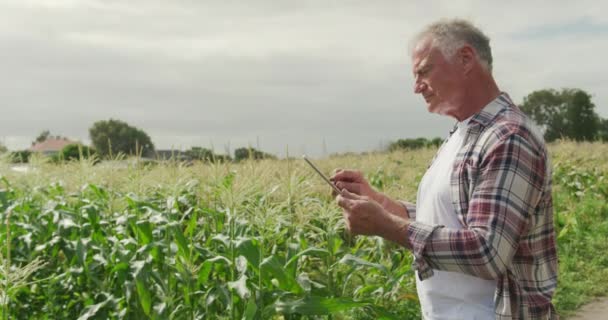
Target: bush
{"points": [[75, 151], [113, 137], [251, 153], [413, 144], [436, 142], [206, 155], [22, 156]]}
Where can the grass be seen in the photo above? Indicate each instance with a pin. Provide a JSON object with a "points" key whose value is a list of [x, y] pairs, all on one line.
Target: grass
{"points": [[258, 239], [581, 217]]}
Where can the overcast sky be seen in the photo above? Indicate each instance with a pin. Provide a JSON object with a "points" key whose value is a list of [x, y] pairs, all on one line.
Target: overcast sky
{"points": [[272, 74]]}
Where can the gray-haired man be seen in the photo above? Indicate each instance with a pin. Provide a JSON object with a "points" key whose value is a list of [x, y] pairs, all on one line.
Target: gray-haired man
{"points": [[481, 230]]}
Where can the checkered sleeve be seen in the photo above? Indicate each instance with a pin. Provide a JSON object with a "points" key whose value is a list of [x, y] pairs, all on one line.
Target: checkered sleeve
{"points": [[505, 193]]}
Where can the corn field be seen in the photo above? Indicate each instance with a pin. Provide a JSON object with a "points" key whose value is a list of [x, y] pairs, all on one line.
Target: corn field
{"points": [[254, 240]]}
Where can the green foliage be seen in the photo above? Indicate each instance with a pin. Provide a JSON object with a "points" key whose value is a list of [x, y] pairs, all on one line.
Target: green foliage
{"points": [[22, 156], [75, 151], [251, 153], [111, 137], [603, 130], [569, 113], [206, 155], [258, 240], [3, 148], [436, 142], [413, 144], [581, 219], [381, 179], [167, 254]]}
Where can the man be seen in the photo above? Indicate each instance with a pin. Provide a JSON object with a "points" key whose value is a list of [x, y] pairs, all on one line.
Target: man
{"points": [[481, 231]]}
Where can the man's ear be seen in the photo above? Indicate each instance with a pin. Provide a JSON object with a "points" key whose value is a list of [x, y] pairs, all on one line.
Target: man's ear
{"points": [[467, 57]]}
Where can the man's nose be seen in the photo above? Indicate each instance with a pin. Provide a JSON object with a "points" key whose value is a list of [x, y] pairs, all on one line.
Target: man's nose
{"points": [[419, 87]]}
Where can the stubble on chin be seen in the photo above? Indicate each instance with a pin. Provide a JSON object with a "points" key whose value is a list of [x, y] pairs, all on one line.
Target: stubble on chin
{"points": [[441, 108], [434, 108]]}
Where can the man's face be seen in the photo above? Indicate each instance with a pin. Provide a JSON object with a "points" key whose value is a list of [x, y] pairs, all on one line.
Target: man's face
{"points": [[437, 79]]}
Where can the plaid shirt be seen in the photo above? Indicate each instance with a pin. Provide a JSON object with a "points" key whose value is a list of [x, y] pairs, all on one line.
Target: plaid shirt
{"points": [[501, 189]]}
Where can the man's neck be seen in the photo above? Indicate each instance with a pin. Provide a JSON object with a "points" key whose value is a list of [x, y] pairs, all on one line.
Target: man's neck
{"points": [[479, 95]]}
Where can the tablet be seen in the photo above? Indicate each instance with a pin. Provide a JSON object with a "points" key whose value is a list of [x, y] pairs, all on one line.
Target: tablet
{"points": [[321, 174]]}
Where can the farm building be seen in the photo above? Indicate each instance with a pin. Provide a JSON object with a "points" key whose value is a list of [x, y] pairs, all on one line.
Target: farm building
{"points": [[51, 146]]}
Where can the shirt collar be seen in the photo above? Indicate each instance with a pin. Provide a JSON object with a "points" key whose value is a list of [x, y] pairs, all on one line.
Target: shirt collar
{"points": [[486, 114], [464, 123], [491, 110]]}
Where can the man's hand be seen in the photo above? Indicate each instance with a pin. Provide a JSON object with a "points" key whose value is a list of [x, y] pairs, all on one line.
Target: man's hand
{"points": [[354, 182], [367, 217]]}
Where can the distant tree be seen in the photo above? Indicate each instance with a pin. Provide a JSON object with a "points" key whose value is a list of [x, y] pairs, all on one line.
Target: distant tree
{"points": [[22, 156], [563, 114], [75, 151], [409, 144], [435, 142], [221, 158], [250, 153], [3, 148], [207, 155], [584, 121], [42, 137], [603, 130], [199, 153], [110, 137]]}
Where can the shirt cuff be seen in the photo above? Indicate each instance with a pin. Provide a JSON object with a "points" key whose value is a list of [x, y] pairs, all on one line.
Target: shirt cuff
{"points": [[410, 207], [417, 236]]}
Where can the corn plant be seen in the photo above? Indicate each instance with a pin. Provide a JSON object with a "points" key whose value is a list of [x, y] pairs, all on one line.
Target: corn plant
{"points": [[197, 249], [255, 240]]}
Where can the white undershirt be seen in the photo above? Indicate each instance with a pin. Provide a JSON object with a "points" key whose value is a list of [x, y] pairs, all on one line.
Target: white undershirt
{"points": [[449, 295]]}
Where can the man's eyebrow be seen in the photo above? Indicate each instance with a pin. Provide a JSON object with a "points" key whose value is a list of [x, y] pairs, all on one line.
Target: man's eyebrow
{"points": [[422, 67]]}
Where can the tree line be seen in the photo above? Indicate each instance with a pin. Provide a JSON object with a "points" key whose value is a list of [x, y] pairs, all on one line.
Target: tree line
{"points": [[111, 139], [565, 114]]}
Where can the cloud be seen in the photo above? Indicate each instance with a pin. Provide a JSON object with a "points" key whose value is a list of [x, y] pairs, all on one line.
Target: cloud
{"points": [[281, 73]]}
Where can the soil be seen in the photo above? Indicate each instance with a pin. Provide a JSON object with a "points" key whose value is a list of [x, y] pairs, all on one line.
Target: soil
{"points": [[595, 310]]}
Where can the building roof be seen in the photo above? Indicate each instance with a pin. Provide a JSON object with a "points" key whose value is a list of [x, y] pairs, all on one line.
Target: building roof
{"points": [[51, 145]]}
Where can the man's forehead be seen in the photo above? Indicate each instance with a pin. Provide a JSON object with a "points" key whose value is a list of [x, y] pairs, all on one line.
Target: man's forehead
{"points": [[421, 54], [423, 45]]}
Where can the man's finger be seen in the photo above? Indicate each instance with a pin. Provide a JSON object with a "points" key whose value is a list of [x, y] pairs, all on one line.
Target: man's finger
{"points": [[349, 195], [346, 220], [343, 201], [348, 200], [347, 175], [336, 170], [353, 187], [334, 173], [334, 193]]}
